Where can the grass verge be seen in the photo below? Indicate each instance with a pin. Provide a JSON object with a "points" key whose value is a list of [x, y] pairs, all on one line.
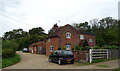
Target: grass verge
{"points": [[117, 69], [95, 61], [10, 61], [103, 66]]}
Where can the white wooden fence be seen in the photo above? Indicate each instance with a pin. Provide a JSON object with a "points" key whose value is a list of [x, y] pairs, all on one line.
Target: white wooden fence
{"points": [[98, 54]]}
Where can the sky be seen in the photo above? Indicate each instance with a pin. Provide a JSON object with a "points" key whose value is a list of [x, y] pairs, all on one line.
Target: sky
{"points": [[28, 14]]}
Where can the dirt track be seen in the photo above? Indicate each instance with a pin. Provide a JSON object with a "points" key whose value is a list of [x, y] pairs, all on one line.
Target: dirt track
{"points": [[35, 61]]}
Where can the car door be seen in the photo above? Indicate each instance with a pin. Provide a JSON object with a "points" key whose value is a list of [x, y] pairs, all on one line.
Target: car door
{"points": [[56, 56], [52, 56]]}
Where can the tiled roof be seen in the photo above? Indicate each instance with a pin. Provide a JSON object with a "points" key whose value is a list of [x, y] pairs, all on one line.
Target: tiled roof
{"points": [[88, 33], [57, 32]]}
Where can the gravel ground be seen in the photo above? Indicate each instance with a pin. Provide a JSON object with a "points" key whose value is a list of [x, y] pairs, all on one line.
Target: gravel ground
{"points": [[35, 61]]}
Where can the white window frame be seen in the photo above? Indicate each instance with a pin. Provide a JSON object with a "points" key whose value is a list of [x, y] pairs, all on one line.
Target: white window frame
{"points": [[90, 40], [51, 48], [68, 35], [82, 37], [68, 47], [48, 39]]}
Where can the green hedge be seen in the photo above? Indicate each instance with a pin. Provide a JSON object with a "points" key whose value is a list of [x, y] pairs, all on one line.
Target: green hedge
{"points": [[10, 61], [82, 48], [9, 49], [106, 47]]}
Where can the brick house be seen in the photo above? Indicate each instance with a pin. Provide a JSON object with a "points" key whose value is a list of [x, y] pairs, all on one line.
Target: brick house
{"points": [[67, 36], [38, 48]]}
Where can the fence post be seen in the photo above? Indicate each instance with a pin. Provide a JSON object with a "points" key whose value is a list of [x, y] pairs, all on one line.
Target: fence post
{"points": [[107, 53], [90, 53]]}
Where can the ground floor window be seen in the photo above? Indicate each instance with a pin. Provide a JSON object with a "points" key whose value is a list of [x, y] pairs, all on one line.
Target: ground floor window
{"points": [[51, 48], [68, 47]]}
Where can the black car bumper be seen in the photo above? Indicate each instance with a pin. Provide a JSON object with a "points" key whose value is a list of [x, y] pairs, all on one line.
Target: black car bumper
{"points": [[66, 60]]}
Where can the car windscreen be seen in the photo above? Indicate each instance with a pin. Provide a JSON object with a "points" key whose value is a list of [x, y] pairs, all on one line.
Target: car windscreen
{"points": [[67, 52]]}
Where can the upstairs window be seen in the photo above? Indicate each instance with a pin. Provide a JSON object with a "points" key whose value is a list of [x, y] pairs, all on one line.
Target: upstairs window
{"points": [[81, 36], [68, 35], [90, 40]]}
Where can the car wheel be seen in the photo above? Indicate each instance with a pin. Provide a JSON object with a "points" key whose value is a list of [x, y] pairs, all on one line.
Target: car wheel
{"points": [[59, 62], [72, 62], [49, 60]]}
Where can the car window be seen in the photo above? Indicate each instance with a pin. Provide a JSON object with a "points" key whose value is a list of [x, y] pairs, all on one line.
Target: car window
{"points": [[56, 52], [25, 49], [67, 52]]}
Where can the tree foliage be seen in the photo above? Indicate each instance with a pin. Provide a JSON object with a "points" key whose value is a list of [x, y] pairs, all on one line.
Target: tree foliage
{"points": [[16, 33], [106, 30], [36, 31], [23, 38]]}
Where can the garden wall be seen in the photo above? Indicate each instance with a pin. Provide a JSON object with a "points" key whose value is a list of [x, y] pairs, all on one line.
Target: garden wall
{"points": [[82, 56]]}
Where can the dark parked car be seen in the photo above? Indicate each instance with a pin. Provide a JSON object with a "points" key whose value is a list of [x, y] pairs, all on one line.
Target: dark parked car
{"points": [[25, 50], [62, 56]]}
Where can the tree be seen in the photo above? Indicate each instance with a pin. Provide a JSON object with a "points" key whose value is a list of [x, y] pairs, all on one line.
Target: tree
{"points": [[36, 31], [106, 30], [83, 27], [16, 33]]}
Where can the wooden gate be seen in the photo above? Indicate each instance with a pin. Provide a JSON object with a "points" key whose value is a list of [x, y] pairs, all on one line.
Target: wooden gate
{"points": [[98, 54]]}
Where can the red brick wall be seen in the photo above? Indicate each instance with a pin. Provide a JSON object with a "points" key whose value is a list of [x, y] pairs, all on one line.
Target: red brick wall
{"points": [[41, 44], [53, 42], [35, 46], [73, 40], [81, 55], [87, 37]]}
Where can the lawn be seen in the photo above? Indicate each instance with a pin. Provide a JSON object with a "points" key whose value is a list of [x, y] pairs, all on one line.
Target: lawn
{"points": [[10, 61]]}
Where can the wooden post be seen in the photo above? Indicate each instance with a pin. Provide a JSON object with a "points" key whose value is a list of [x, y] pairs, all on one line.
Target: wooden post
{"points": [[90, 52]]}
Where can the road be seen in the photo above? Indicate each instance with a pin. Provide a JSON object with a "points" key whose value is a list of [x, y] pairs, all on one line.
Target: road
{"points": [[35, 61]]}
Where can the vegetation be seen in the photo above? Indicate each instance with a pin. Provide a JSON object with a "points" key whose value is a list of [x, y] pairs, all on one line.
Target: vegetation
{"points": [[23, 38], [117, 69], [106, 30], [106, 47], [103, 66], [9, 49], [102, 60], [17, 40], [64, 48], [10, 61], [95, 61], [82, 48]]}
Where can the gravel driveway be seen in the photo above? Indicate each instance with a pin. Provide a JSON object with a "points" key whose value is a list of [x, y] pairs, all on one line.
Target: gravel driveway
{"points": [[35, 61]]}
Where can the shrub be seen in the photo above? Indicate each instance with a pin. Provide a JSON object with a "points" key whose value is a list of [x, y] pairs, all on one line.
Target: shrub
{"points": [[9, 49], [77, 48], [8, 52], [112, 47], [72, 48], [64, 48], [97, 47], [82, 48], [10, 61]]}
